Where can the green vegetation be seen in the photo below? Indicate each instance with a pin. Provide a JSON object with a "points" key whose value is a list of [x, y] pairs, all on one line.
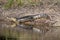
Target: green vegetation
{"points": [[12, 3], [8, 4], [19, 3]]}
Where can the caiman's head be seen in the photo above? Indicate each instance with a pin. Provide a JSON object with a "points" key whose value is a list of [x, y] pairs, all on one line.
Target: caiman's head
{"points": [[13, 21]]}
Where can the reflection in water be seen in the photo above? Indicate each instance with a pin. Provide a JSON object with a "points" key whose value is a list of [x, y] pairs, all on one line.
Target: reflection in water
{"points": [[16, 33]]}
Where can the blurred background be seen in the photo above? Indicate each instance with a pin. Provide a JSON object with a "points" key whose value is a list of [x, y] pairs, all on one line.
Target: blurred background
{"points": [[20, 8]]}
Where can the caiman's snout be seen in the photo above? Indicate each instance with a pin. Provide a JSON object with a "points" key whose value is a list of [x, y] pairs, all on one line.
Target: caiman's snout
{"points": [[13, 21]]}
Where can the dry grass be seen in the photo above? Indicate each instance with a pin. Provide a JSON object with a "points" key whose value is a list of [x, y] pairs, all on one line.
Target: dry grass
{"points": [[23, 3], [19, 3]]}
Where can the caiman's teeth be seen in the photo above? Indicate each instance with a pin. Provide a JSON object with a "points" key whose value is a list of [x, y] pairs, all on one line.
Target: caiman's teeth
{"points": [[21, 20], [37, 16]]}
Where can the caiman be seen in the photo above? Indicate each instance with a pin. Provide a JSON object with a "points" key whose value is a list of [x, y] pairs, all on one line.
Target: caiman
{"points": [[38, 22]]}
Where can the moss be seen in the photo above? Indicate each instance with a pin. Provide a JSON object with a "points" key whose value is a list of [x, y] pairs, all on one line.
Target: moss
{"points": [[20, 2], [8, 4]]}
